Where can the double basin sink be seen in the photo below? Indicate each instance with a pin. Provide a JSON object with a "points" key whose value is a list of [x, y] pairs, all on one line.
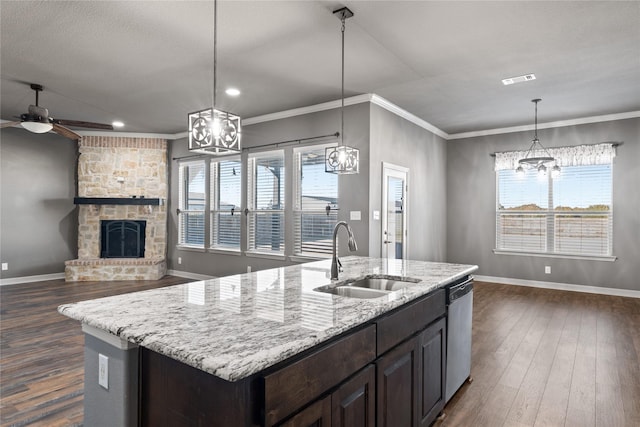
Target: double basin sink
{"points": [[368, 287]]}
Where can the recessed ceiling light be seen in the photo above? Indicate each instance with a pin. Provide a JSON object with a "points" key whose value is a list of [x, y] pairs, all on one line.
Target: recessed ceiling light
{"points": [[519, 79], [232, 91], [117, 124]]}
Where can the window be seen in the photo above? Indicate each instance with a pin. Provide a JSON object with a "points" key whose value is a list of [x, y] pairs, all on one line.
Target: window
{"points": [[316, 203], [226, 213], [192, 202], [265, 201], [571, 214]]}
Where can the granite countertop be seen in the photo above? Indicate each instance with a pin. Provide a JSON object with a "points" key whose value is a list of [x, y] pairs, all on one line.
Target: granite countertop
{"points": [[235, 326]]}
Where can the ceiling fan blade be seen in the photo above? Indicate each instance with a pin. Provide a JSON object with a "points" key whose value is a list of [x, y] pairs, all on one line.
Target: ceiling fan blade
{"points": [[8, 124], [81, 124], [67, 133]]}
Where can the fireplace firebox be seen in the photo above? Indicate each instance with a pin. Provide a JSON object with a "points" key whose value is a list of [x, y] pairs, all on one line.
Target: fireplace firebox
{"points": [[122, 238]]}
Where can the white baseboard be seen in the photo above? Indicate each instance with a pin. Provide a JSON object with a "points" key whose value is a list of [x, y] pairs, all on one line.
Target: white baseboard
{"points": [[27, 279], [189, 275], [560, 286]]}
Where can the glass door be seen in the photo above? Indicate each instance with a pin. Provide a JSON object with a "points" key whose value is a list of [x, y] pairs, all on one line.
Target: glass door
{"points": [[394, 212]]}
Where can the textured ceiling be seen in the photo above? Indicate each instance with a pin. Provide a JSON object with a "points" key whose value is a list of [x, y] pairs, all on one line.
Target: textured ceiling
{"points": [[150, 63]]}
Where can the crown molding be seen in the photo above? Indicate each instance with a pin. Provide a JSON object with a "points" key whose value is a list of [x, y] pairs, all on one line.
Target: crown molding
{"points": [[548, 125], [393, 108]]}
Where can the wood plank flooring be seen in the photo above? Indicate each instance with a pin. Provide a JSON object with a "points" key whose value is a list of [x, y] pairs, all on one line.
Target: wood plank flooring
{"points": [[540, 357], [41, 356], [550, 358]]}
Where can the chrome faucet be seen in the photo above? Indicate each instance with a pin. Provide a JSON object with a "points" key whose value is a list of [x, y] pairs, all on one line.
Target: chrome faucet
{"points": [[336, 265]]}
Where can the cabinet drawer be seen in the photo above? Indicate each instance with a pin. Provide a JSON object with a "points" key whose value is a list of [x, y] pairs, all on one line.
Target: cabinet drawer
{"points": [[407, 320], [295, 385]]}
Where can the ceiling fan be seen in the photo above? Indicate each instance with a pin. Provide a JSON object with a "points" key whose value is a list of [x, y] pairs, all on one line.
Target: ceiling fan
{"points": [[37, 120]]}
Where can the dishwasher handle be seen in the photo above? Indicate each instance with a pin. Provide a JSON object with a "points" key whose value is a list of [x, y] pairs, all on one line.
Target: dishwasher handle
{"points": [[458, 291]]}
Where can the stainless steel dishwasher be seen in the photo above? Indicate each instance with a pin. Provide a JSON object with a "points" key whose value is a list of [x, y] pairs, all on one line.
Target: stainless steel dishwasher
{"points": [[459, 317]]}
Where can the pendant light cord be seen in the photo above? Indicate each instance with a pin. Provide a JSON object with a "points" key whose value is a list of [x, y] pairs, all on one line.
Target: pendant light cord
{"points": [[535, 134], [215, 53], [342, 108]]}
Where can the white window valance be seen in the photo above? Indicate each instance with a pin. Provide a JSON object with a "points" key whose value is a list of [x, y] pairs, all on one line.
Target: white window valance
{"points": [[579, 155]]}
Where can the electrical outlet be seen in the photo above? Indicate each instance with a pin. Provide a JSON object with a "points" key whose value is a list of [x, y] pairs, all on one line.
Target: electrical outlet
{"points": [[5, 266], [179, 260], [103, 371], [248, 269], [547, 269]]}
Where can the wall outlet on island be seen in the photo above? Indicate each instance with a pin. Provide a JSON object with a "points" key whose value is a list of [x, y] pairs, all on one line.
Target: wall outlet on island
{"points": [[103, 371], [248, 269], [547, 269], [5, 266], [179, 260]]}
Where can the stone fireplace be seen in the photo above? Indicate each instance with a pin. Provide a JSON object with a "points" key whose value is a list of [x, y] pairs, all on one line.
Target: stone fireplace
{"points": [[122, 181]]}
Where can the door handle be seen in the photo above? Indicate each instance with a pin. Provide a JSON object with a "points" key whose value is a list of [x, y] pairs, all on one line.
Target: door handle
{"points": [[387, 241]]}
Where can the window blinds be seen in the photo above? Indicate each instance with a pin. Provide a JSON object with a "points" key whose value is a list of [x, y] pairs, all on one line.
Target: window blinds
{"points": [[192, 203], [226, 213]]}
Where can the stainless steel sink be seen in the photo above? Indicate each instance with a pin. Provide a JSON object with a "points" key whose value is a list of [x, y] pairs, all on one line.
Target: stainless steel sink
{"points": [[383, 284], [368, 287]]}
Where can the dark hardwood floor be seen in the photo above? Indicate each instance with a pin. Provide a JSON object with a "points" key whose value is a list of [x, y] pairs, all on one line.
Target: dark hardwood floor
{"points": [[540, 357], [41, 357]]}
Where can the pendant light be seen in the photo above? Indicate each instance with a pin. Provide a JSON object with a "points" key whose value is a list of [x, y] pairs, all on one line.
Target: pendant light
{"points": [[533, 158], [213, 131], [342, 159]]}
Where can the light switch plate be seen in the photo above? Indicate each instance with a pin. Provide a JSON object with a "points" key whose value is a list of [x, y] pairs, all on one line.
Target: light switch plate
{"points": [[355, 216], [5, 266], [547, 269], [103, 371], [376, 215]]}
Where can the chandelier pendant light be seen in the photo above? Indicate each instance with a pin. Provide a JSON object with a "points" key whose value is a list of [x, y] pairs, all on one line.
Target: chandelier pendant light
{"points": [[343, 160], [213, 131], [536, 156]]}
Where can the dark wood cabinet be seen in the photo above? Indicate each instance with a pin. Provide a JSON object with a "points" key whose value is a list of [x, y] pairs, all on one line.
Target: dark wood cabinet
{"points": [[317, 414], [432, 359], [353, 403], [397, 386]]}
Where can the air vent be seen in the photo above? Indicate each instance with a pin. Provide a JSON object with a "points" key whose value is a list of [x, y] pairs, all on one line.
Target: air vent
{"points": [[519, 79]]}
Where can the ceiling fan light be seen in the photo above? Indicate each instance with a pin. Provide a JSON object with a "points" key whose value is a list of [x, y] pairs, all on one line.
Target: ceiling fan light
{"points": [[37, 127]]}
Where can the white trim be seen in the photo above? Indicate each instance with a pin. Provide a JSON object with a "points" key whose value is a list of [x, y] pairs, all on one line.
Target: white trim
{"points": [[222, 251], [555, 255], [331, 105], [265, 255], [189, 275], [549, 125], [108, 338], [381, 102], [560, 286], [28, 279], [306, 258]]}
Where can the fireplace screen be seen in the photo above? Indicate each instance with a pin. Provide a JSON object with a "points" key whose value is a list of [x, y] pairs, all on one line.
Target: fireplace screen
{"points": [[122, 239]]}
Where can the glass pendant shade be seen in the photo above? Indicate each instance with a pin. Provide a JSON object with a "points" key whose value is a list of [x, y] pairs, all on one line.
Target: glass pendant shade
{"points": [[213, 131], [37, 127], [342, 160]]}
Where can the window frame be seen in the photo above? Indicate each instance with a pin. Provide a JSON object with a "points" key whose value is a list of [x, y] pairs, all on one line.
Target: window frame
{"points": [[298, 210], [253, 212], [183, 198], [550, 220], [215, 183]]}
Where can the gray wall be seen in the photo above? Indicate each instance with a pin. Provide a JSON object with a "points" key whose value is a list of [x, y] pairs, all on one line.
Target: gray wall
{"points": [[353, 194], [471, 190], [400, 142], [38, 223]]}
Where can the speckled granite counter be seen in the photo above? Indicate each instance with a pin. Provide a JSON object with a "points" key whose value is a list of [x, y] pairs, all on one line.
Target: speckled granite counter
{"points": [[236, 326]]}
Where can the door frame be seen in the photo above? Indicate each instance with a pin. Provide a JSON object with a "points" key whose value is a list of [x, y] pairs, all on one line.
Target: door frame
{"points": [[389, 169]]}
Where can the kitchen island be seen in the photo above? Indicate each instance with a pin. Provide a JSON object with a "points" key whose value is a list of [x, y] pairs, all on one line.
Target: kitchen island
{"points": [[261, 348]]}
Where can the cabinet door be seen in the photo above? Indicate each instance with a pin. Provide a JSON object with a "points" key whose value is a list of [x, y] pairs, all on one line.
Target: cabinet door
{"points": [[432, 356], [397, 386], [353, 403], [316, 415]]}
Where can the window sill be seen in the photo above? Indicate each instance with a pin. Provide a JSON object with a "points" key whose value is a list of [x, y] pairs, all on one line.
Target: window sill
{"points": [[553, 255], [307, 258], [222, 251], [190, 248], [266, 255]]}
